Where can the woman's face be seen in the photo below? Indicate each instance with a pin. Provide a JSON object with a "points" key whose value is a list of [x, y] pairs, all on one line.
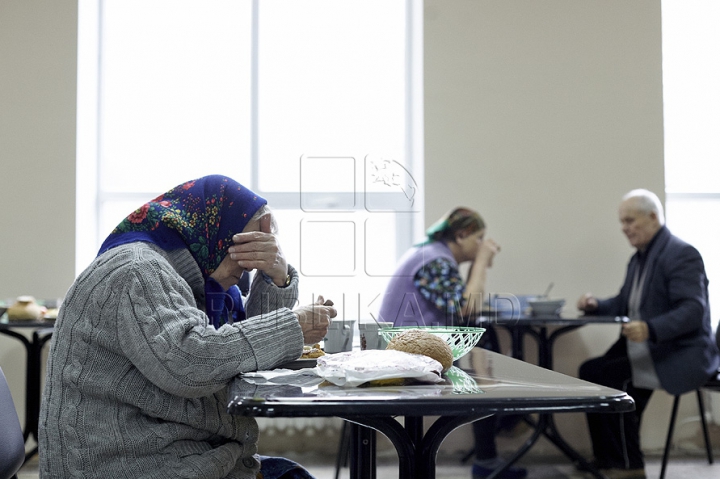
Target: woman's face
{"points": [[470, 244]]}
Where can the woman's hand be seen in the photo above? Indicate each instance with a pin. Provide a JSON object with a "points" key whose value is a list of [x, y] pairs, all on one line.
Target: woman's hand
{"points": [[260, 250], [314, 319], [475, 287], [486, 252]]}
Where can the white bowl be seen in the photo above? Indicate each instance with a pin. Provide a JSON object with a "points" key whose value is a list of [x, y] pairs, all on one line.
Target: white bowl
{"points": [[546, 306]]}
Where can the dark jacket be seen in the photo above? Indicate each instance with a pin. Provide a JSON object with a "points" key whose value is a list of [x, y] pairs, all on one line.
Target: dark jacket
{"points": [[675, 306]]}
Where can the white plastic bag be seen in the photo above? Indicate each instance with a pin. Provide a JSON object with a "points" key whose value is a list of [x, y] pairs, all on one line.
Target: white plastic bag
{"points": [[354, 368]]}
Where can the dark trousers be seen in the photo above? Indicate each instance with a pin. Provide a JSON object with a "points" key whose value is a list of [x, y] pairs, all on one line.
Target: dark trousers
{"points": [[616, 437], [484, 430]]}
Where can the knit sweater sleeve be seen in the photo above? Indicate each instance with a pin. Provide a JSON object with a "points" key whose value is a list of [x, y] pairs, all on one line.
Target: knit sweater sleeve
{"points": [[265, 296], [162, 332]]}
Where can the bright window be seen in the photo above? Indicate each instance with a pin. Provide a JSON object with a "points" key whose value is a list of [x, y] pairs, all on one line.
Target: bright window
{"points": [[691, 93], [314, 104]]}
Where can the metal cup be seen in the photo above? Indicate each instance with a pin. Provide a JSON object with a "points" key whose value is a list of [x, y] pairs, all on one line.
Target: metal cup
{"points": [[339, 337]]}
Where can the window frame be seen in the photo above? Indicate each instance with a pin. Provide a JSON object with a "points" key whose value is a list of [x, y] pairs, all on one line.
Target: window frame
{"points": [[90, 198]]}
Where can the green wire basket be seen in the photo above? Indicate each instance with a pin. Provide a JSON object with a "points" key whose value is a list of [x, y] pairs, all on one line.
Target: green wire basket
{"points": [[461, 339], [462, 382]]}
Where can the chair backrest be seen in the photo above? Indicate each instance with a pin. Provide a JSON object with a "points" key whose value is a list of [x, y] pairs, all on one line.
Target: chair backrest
{"points": [[12, 443]]}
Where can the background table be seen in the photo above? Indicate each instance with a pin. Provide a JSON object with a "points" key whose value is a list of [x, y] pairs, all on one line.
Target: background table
{"points": [[492, 384], [538, 328], [41, 334]]}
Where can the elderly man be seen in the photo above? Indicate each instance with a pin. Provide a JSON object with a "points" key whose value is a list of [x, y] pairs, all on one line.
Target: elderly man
{"points": [[667, 344]]}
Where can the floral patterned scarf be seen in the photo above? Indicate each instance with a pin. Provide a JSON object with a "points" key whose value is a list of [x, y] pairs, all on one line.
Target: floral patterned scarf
{"points": [[201, 215]]}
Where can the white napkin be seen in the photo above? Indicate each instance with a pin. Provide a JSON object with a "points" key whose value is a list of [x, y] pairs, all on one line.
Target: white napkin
{"points": [[300, 377], [354, 368]]}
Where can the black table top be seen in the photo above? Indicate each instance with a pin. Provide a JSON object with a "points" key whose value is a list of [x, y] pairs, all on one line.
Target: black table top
{"points": [[535, 320], [494, 384]]}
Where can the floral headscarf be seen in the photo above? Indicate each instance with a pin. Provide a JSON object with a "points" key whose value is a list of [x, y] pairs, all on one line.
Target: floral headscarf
{"points": [[201, 215]]}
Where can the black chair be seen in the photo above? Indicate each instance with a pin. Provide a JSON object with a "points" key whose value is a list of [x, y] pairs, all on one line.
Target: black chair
{"points": [[714, 385], [12, 443]]}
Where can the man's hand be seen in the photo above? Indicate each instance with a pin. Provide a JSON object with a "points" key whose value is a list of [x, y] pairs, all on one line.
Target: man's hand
{"points": [[314, 319], [636, 331], [587, 303], [260, 250]]}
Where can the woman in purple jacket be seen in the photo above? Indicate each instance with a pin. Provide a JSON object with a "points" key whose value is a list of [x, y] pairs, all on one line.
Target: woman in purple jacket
{"points": [[428, 289]]}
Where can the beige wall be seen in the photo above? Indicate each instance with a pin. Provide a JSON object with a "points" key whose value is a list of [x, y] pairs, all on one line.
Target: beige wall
{"points": [[538, 113], [38, 44]]}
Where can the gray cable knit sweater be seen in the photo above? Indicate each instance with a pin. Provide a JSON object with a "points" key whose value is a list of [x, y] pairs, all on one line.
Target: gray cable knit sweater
{"points": [[136, 380]]}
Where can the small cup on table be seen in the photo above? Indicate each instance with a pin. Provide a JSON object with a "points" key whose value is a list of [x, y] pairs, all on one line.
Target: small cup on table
{"points": [[370, 337]]}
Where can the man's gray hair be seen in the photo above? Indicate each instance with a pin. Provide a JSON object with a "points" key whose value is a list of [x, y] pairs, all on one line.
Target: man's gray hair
{"points": [[647, 202]]}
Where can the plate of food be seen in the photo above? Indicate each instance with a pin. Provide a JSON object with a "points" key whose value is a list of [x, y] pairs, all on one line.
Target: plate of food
{"points": [[308, 359]]}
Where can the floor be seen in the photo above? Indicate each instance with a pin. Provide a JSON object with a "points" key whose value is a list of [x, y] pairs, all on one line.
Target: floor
{"points": [[450, 468]]}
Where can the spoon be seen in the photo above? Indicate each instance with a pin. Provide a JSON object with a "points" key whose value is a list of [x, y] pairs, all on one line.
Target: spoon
{"points": [[547, 291]]}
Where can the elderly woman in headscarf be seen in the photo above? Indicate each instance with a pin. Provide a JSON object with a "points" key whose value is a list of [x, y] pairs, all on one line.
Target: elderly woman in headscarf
{"points": [[152, 332], [428, 289]]}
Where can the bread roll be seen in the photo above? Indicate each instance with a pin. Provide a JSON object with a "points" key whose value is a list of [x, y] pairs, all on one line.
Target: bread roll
{"points": [[418, 341]]}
